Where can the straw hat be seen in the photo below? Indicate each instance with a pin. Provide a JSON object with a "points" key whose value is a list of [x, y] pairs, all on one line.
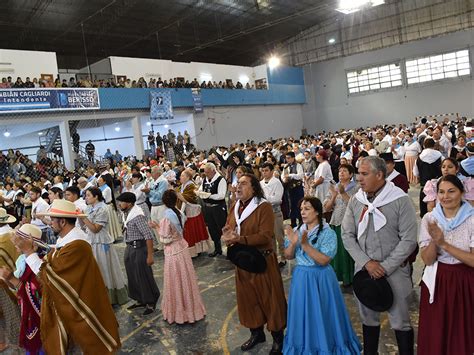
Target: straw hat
{"points": [[6, 218], [29, 231], [63, 209]]}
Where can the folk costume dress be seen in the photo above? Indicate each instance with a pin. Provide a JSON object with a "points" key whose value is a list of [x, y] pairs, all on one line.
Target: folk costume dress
{"points": [[29, 297], [182, 301], [446, 324], [106, 255], [9, 310], [318, 322], [113, 227], [195, 231], [342, 263]]}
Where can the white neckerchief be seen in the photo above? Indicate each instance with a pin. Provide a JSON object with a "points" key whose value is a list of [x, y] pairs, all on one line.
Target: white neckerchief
{"points": [[135, 211], [252, 206], [392, 175], [388, 194]]}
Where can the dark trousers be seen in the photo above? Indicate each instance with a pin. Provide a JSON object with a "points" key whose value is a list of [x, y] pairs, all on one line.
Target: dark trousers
{"points": [[141, 283], [423, 205], [215, 217], [296, 195]]}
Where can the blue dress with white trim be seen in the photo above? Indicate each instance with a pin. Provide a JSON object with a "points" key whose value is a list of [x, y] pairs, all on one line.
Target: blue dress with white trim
{"points": [[317, 322]]}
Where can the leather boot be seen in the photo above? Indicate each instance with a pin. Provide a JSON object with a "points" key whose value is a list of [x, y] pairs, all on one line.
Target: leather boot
{"points": [[277, 347], [405, 341], [257, 335], [371, 339]]}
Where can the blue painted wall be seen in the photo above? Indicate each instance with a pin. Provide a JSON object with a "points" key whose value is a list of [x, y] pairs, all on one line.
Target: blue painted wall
{"points": [[286, 86]]}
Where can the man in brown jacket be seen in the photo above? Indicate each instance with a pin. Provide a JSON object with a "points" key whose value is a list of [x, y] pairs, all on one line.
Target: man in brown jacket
{"points": [[260, 296]]}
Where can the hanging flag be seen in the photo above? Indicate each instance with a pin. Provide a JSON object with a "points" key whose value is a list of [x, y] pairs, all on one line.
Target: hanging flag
{"points": [[161, 107]]}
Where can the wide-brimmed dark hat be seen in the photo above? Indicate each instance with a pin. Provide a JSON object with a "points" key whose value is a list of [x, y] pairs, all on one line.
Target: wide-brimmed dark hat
{"points": [[247, 258], [375, 294]]}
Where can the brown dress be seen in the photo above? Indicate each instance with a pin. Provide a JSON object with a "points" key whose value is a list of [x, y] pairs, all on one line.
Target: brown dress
{"points": [[260, 297]]}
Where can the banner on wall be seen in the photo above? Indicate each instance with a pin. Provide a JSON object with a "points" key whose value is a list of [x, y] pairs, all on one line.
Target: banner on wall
{"points": [[161, 107], [34, 100], [197, 100]]}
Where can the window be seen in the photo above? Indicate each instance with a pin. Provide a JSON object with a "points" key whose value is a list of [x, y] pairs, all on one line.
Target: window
{"points": [[438, 67], [374, 78]]}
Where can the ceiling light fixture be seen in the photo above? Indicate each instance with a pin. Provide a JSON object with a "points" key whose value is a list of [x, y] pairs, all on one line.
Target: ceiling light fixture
{"points": [[166, 126], [351, 6], [273, 62], [6, 134], [117, 129], [332, 40], [148, 123]]}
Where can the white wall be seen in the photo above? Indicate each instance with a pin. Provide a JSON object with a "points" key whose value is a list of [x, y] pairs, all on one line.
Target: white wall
{"points": [[27, 64], [227, 125], [329, 107], [134, 68]]}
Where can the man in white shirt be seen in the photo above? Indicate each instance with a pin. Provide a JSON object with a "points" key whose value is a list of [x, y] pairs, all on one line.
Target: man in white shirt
{"points": [[73, 194], [38, 206], [83, 185], [273, 189]]}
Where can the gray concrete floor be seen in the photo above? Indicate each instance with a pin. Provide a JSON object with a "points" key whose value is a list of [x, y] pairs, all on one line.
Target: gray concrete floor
{"points": [[220, 332]]}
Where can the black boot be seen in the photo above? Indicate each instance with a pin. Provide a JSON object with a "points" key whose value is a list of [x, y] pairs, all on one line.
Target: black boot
{"points": [[371, 339], [257, 335], [277, 347], [405, 341]]}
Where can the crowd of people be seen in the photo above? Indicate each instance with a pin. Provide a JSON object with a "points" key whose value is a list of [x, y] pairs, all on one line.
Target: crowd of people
{"points": [[334, 202], [121, 82]]}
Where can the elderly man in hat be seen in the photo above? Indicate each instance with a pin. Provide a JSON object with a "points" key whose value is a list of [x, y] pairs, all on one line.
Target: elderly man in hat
{"points": [[379, 231], [138, 255], [75, 302], [260, 295], [9, 311]]}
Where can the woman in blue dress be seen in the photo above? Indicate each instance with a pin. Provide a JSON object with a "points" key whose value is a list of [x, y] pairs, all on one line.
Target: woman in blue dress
{"points": [[318, 322]]}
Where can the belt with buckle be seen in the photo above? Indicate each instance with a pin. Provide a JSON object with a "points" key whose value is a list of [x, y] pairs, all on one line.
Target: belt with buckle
{"points": [[140, 243]]}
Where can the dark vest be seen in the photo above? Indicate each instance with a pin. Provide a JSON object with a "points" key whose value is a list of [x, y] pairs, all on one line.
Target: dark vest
{"points": [[212, 188], [428, 171]]}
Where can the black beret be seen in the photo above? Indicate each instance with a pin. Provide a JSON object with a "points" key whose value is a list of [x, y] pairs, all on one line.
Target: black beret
{"points": [[375, 294], [127, 197], [247, 258]]}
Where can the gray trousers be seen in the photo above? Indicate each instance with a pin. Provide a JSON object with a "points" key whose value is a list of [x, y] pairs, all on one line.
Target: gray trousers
{"points": [[398, 314]]}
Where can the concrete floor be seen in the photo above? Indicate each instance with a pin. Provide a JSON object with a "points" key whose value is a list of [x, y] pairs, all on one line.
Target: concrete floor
{"points": [[220, 332]]}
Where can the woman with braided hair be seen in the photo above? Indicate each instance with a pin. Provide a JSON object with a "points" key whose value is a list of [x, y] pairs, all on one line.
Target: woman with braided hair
{"points": [[320, 323]]}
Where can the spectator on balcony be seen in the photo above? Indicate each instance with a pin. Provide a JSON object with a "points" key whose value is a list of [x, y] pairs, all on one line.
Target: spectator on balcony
{"points": [[117, 157], [72, 83], [128, 84], [247, 86], [203, 85], [35, 83], [194, 83], [210, 85], [141, 83], [18, 83], [239, 85], [28, 83], [159, 140], [171, 137], [159, 82], [4, 84], [108, 155], [75, 141]]}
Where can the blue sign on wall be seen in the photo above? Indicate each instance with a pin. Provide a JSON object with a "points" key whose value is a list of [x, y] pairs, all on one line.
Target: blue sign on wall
{"points": [[197, 100], [161, 106], [32, 100]]}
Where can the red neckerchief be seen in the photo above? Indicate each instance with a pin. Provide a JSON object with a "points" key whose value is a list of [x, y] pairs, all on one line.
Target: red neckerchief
{"points": [[243, 206]]}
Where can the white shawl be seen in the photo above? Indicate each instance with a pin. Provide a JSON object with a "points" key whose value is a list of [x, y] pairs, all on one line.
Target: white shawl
{"points": [[134, 212], [388, 194], [252, 206], [392, 175]]}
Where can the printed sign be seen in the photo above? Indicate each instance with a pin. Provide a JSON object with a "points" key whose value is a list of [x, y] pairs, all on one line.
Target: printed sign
{"points": [[161, 107], [33, 100], [197, 100]]}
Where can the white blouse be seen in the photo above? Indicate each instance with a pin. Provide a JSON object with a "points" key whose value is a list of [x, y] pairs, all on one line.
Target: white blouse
{"points": [[461, 237]]}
